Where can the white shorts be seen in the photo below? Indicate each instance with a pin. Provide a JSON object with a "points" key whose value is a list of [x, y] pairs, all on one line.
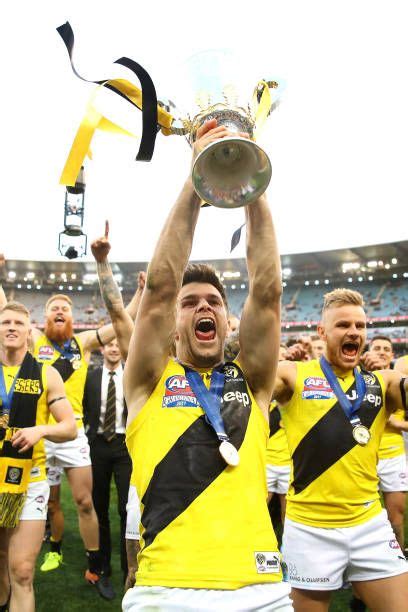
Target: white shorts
{"points": [[54, 475], [36, 503], [257, 597], [132, 515], [74, 453], [277, 478], [393, 474], [320, 559]]}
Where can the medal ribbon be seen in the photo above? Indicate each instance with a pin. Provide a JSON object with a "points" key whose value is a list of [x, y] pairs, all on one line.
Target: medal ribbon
{"points": [[210, 399], [6, 398], [65, 351], [350, 408]]}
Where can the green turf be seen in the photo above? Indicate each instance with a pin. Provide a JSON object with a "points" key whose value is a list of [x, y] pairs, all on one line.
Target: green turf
{"points": [[65, 590]]}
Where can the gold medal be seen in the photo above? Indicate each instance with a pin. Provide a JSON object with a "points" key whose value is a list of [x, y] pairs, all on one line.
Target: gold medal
{"points": [[229, 453], [361, 435]]}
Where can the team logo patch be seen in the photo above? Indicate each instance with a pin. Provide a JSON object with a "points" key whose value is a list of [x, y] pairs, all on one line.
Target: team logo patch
{"points": [[231, 372], [267, 562], [315, 387], [394, 544], [178, 393], [45, 353], [369, 379], [14, 475]]}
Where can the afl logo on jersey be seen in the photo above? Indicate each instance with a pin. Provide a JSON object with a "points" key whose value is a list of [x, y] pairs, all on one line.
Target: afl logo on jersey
{"points": [[316, 388], [45, 353], [178, 393]]}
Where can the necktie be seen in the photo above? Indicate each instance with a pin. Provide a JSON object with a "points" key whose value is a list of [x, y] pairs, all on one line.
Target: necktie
{"points": [[109, 424]]}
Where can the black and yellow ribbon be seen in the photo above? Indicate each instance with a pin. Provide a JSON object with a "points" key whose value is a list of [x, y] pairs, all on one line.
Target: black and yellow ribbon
{"points": [[154, 117]]}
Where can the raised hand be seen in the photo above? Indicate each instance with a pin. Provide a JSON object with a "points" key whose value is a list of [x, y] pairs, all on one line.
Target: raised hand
{"points": [[101, 246]]}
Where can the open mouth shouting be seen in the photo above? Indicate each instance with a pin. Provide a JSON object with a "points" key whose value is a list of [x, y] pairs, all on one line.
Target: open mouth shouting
{"points": [[350, 350], [59, 319], [205, 329]]}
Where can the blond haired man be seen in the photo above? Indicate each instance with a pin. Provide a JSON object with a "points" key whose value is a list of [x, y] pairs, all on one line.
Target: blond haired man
{"points": [[334, 416], [29, 392]]}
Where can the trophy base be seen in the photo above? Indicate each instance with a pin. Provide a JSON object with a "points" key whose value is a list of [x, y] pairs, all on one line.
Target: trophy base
{"points": [[231, 172]]}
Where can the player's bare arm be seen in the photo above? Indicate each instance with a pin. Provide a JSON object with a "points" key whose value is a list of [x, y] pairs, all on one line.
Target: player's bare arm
{"points": [[285, 381], [65, 428], [260, 321], [396, 397], [153, 334], [401, 365], [122, 318]]}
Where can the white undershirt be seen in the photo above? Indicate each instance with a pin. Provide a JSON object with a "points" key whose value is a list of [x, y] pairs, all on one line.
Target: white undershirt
{"points": [[118, 378]]}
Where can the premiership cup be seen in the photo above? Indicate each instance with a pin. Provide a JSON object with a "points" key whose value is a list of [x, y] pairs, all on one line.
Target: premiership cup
{"points": [[235, 171]]}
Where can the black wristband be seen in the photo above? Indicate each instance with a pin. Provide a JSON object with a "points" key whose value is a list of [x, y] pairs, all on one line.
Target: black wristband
{"points": [[98, 337]]}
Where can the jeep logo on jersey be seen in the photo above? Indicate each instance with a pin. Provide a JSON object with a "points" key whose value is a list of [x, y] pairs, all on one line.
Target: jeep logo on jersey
{"points": [[178, 393]]}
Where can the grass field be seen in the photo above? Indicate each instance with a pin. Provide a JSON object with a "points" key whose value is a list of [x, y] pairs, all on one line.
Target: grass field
{"points": [[65, 590]]}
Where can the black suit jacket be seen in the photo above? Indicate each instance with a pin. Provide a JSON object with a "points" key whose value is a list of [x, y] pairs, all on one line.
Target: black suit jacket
{"points": [[92, 403]]}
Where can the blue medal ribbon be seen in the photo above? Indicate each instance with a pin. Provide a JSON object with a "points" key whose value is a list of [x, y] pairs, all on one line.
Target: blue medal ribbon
{"points": [[210, 399], [66, 351], [6, 398], [350, 408]]}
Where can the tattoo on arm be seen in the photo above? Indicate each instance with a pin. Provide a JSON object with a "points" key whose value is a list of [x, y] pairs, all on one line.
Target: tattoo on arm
{"points": [[109, 289]]}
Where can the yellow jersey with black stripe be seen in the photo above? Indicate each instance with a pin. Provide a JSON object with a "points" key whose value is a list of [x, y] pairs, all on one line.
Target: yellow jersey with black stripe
{"points": [[392, 442], [334, 480], [42, 415], [277, 451], [204, 524], [73, 372]]}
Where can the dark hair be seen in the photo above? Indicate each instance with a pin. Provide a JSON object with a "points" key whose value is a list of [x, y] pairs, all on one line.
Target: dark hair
{"points": [[204, 273], [379, 338]]}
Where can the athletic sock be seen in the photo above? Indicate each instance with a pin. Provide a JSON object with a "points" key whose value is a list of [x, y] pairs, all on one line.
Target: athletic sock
{"points": [[55, 546], [94, 561]]}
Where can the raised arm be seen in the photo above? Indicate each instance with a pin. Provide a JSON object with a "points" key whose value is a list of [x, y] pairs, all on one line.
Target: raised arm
{"points": [[401, 365], [122, 318], [260, 322], [153, 334]]}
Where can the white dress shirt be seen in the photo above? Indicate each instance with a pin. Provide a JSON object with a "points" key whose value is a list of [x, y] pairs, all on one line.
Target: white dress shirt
{"points": [[118, 378]]}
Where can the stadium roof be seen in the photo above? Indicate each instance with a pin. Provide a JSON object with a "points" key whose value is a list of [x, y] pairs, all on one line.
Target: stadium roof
{"points": [[373, 259]]}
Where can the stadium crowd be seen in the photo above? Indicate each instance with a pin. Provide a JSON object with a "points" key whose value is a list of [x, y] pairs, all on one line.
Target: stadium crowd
{"points": [[202, 419]]}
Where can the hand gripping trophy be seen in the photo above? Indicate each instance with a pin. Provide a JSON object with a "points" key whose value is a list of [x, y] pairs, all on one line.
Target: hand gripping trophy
{"points": [[229, 173]]}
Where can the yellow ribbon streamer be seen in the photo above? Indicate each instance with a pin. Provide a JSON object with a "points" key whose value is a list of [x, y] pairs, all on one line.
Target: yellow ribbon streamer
{"points": [[263, 108], [94, 120]]}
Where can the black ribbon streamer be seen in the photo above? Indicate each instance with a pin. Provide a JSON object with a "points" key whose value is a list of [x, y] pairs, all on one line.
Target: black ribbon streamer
{"points": [[149, 97]]}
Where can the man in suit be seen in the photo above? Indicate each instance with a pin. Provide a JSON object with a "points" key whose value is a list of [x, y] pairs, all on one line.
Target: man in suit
{"points": [[105, 416]]}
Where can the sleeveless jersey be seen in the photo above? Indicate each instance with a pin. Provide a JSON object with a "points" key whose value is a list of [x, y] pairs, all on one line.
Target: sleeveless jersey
{"points": [[73, 375], [334, 480], [277, 451], [392, 442], [38, 459], [204, 524]]}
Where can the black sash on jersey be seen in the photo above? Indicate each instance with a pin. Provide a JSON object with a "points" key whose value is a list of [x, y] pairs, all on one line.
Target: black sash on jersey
{"points": [[274, 422], [331, 437], [194, 461], [15, 466], [63, 365]]}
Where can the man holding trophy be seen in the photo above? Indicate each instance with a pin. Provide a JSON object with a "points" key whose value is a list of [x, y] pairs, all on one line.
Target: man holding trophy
{"points": [[197, 427]]}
